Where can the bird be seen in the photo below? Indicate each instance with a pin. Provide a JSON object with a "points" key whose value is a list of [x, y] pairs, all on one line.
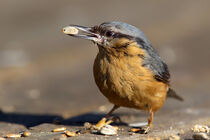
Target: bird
{"points": [[127, 69]]}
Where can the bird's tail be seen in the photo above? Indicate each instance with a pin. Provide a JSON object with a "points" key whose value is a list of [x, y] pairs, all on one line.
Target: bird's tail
{"points": [[171, 93]]}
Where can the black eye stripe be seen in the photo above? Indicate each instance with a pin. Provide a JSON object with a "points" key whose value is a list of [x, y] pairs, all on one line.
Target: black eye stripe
{"points": [[120, 35], [109, 33]]}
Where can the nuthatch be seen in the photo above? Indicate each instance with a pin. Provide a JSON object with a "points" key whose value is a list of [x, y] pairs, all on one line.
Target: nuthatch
{"points": [[127, 69]]}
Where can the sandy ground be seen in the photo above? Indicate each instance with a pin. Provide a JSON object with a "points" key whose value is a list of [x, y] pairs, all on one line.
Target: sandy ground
{"points": [[47, 76]]}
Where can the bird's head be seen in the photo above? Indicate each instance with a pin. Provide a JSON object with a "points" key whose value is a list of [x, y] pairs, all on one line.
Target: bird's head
{"points": [[108, 34]]}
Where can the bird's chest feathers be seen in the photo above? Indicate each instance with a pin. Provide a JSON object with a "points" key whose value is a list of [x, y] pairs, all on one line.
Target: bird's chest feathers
{"points": [[119, 69]]}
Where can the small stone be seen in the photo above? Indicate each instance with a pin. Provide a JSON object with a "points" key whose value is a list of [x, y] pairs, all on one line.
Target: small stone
{"points": [[26, 134], [109, 130], [201, 128], [87, 125], [200, 136], [174, 137]]}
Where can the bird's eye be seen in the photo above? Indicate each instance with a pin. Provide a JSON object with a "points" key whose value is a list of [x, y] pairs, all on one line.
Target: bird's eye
{"points": [[109, 33]]}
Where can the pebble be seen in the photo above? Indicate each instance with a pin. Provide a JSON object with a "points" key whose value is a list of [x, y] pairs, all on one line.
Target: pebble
{"points": [[26, 134], [200, 136], [109, 130], [87, 125], [200, 128], [2, 138]]}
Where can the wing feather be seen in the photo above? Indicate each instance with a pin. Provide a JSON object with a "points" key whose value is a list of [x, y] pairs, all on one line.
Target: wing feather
{"points": [[154, 62]]}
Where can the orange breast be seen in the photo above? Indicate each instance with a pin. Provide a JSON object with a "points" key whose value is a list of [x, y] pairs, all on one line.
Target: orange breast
{"points": [[124, 81]]}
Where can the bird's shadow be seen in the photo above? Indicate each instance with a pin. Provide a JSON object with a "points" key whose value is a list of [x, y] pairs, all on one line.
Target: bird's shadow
{"points": [[31, 120]]}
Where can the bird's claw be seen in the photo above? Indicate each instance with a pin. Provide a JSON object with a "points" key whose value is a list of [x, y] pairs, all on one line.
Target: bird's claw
{"points": [[102, 123], [146, 130], [140, 130]]}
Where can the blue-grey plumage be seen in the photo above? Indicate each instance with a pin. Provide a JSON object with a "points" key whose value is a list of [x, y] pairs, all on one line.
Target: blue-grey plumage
{"points": [[126, 29]]}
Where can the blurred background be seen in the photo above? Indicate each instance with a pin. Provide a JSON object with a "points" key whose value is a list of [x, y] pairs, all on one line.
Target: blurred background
{"points": [[43, 71]]}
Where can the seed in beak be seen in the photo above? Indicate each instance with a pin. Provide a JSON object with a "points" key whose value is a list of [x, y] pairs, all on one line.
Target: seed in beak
{"points": [[70, 30]]}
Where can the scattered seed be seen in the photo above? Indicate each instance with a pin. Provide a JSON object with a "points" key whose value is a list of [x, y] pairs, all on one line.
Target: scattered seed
{"points": [[70, 30], [70, 134], [200, 128], [61, 129], [108, 130], [13, 135], [26, 134], [135, 130], [200, 136]]}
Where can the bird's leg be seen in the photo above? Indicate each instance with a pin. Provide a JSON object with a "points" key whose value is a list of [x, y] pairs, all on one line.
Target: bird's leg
{"points": [[149, 125], [104, 121]]}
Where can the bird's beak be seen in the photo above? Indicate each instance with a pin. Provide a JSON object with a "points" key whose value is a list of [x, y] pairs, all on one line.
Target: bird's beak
{"points": [[82, 32]]}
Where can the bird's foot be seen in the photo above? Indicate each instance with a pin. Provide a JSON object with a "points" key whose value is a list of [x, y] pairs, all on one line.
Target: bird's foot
{"points": [[141, 130]]}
